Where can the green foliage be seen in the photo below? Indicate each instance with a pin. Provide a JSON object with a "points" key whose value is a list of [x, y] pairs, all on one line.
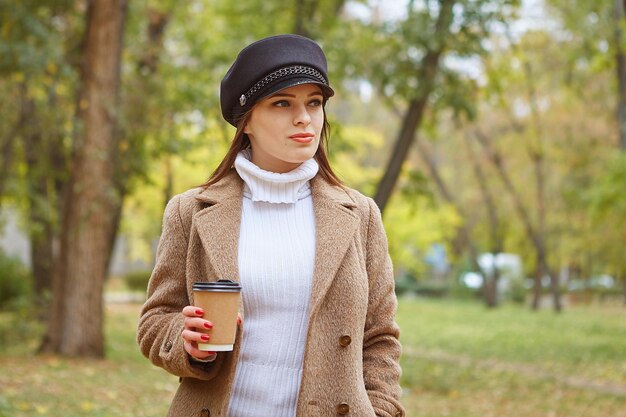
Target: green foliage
{"points": [[172, 128], [412, 226], [460, 291], [29, 37], [20, 326], [517, 292], [406, 285], [432, 289], [137, 280], [351, 155], [15, 282]]}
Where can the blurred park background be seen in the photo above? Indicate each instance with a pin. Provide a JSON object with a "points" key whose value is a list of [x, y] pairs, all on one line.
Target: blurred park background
{"points": [[492, 134]]}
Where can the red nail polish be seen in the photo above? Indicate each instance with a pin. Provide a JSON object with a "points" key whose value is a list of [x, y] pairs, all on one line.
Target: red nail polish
{"points": [[205, 337], [199, 312], [208, 325], [212, 353]]}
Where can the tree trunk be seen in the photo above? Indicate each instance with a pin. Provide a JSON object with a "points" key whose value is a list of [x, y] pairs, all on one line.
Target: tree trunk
{"points": [[168, 190], [464, 240], [410, 123], [542, 236], [6, 152], [620, 59], [415, 112], [624, 287], [40, 212], [496, 238], [538, 243], [76, 327], [6, 146], [537, 155], [302, 16], [137, 116]]}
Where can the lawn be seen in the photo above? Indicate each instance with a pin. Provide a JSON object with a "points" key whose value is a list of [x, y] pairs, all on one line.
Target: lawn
{"points": [[459, 360]]}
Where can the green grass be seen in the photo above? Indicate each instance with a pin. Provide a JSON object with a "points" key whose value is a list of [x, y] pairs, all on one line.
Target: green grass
{"points": [[463, 360], [459, 360], [123, 385]]}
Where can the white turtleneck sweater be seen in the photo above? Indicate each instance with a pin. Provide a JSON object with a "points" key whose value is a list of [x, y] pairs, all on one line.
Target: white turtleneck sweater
{"points": [[276, 259]]}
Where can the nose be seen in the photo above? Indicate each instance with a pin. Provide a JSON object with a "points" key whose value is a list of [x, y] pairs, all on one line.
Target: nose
{"points": [[301, 115]]}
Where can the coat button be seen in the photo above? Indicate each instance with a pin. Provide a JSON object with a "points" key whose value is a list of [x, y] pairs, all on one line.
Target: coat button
{"points": [[205, 413], [345, 340], [343, 409], [168, 345]]}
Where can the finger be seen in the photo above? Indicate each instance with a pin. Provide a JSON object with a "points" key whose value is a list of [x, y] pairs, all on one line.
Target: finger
{"points": [[239, 321], [197, 323], [191, 311], [191, 348], [191, 336]]}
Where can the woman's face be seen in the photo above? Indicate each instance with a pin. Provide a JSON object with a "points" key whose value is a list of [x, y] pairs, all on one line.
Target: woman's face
{"points": [[285, 128]]}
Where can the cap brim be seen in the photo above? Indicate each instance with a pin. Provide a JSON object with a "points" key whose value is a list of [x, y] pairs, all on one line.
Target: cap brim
{"points": [[292, 82], [281, 84]]}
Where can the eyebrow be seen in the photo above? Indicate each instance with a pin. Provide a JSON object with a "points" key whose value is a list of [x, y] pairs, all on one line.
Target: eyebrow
{"points": [[314, 93]]}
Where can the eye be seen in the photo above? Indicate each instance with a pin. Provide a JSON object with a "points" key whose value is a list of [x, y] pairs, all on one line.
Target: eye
{"points": [[315, 102], [281, 103]]}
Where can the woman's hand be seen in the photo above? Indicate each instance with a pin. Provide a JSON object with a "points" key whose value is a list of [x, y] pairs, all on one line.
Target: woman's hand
{"points": [[193, 321]]}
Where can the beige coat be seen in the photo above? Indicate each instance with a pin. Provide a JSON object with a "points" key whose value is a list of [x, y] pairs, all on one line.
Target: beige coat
{"points": [[352, 350]]}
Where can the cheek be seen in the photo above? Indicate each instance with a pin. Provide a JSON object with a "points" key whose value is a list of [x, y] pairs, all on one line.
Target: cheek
{"points": [[318, 121]]}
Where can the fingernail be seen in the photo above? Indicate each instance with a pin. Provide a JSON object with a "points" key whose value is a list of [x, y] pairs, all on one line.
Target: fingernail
{"points": [[205, 337], [238, 320], [199, 312], [212, 353], [208, 325]]}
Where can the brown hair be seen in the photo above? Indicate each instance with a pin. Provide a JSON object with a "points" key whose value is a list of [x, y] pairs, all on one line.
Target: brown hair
{"points": [[241, 142]]}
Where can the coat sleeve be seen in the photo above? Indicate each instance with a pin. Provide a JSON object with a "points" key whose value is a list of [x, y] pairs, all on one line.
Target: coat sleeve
{"points": [[161, 321], [381, 348]]}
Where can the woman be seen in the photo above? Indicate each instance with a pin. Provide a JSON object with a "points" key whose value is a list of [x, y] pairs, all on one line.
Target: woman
{"points": [[318, 336]]}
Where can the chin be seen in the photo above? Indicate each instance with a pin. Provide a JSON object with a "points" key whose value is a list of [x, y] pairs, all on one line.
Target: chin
{"points": [[304, 158]]}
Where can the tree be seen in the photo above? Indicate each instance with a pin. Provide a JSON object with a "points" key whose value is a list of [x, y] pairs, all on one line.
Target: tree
{"points": [[406, 62], [425, 74], [75, 326], [37, 60], [620, 66], [596, 77]]}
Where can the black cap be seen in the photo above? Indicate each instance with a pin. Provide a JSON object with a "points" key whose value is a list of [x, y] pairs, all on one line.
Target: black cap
{"points": [[269, 65]]}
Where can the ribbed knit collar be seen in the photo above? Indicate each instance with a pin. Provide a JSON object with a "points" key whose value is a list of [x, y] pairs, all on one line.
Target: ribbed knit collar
{"points": [[272, 187]]}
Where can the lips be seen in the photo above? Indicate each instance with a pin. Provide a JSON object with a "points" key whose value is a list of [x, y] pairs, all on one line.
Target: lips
{"points": [[302, 137]]}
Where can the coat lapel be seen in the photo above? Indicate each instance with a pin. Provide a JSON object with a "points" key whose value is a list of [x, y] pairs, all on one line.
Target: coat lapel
{"points": [[335, 225], [218, 225]]}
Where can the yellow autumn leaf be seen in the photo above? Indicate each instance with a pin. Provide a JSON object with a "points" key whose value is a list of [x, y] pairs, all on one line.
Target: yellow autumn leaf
{"points": [[52, 68], [37, 93], [54, 362], [86, 406], [22, 406], [60, 89], [111, 395]]}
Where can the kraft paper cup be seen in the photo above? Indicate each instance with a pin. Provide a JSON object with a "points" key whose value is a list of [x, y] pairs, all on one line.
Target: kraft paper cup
{"points": [[220, 302]]}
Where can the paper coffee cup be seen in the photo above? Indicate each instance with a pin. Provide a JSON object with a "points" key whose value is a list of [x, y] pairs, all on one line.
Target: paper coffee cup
{"points": [[220, 302]]}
